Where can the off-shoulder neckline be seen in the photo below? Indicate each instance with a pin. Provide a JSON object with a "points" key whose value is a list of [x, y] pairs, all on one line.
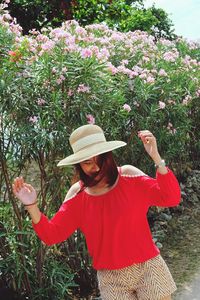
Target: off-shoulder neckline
{"points": [[114, 186], [106, 192]]}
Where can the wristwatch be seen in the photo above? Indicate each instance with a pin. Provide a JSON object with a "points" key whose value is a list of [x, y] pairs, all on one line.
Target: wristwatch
{"points": [[161, 164]]}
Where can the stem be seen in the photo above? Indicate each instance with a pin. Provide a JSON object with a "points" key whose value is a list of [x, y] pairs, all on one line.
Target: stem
{"points": [[41, 161], [39, 264]]}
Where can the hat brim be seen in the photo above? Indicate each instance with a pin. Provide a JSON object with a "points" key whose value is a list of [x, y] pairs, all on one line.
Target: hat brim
{"points": [[87, 153]]}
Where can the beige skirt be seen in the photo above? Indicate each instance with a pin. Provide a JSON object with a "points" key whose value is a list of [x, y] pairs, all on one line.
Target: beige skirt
{"points": [[150, 280]]}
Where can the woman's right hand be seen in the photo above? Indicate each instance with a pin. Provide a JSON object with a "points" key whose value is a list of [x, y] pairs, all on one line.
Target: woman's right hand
{"points": [[24, 192]]}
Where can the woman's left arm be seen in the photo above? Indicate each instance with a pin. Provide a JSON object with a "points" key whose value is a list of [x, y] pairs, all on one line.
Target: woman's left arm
{"points": [[164, 190], [150, 145]]}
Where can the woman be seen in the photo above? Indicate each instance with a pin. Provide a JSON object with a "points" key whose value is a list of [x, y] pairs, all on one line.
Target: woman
{"points": [[109, 204]]}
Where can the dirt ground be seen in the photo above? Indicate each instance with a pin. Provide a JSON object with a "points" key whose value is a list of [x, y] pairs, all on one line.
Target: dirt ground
{"points": [[181, 251]]}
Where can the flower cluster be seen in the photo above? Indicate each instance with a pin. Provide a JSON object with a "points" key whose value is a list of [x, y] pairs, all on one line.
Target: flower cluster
{"points": [[95, 71]]}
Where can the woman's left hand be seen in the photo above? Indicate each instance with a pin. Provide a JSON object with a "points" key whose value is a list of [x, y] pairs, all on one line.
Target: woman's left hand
{"points": [[149, 142]]}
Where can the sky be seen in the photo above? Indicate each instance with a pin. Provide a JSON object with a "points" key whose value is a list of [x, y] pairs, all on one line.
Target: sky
{"points": [[185, 15]]}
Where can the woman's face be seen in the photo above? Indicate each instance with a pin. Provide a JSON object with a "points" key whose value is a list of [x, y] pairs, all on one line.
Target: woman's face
{"points": [[90, 166]]}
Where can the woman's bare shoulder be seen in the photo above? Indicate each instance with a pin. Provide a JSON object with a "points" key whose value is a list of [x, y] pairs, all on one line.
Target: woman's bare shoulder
{"points": [[73, 191], [129, 170]]}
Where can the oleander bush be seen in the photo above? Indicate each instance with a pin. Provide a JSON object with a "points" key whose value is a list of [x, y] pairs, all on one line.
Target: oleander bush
{"points": [[53, 81]]}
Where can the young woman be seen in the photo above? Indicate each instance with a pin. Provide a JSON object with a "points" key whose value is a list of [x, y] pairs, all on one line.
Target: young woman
{"points": [[110, 204]]}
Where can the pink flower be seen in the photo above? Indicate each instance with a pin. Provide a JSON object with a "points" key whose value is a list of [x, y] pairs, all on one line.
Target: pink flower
{"points": [[174, 131], [80, 31], [58, 33], [112, 68], [125, 70], [143, 76], [42, 38], [62, 77], [154, 71], [171, 56], [127, 107], [145, 58], [90, 119], [124, 62], [7, 17], [64, 69], [161, 105], [166, 42], [86, 53], [16, 28], [171, 129], [41, 101], [117, 36], [34, 32], [95, 50], [48, 46], [82, 88], [162, 73], [187, 99], [70, 92], [198, 93], [185, 102], [60, 80], [150, 79], [33, 119], [169, 126], [134, 73], [103, 54]]}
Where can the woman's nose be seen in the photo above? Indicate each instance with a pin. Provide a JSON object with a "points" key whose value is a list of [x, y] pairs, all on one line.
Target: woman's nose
{"points": [[96, 168]]}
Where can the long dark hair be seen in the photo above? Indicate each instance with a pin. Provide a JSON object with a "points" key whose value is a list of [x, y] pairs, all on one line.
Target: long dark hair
{"points": [[108, 171]]}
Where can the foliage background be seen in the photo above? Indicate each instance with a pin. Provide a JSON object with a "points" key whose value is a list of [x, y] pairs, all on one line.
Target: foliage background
{"points": [[55, 80], [123, 15]]}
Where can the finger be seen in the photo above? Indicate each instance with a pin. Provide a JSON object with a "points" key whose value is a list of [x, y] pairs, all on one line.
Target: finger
{"points": [[146, 135], [15, 192], [21, 182], [16, 180], [29, 187], [144, 131], [17, 183], [14, 189]]}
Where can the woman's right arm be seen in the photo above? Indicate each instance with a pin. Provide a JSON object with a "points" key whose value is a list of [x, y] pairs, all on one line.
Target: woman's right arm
{"points": [[34, 213], [64, 222]]}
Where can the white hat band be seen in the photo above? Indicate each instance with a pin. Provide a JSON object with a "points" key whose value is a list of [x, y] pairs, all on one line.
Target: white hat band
{"points": [[86, 141]]}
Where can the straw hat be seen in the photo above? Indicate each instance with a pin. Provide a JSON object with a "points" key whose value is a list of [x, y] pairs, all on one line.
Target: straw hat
{"points": [[88, 141]]}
